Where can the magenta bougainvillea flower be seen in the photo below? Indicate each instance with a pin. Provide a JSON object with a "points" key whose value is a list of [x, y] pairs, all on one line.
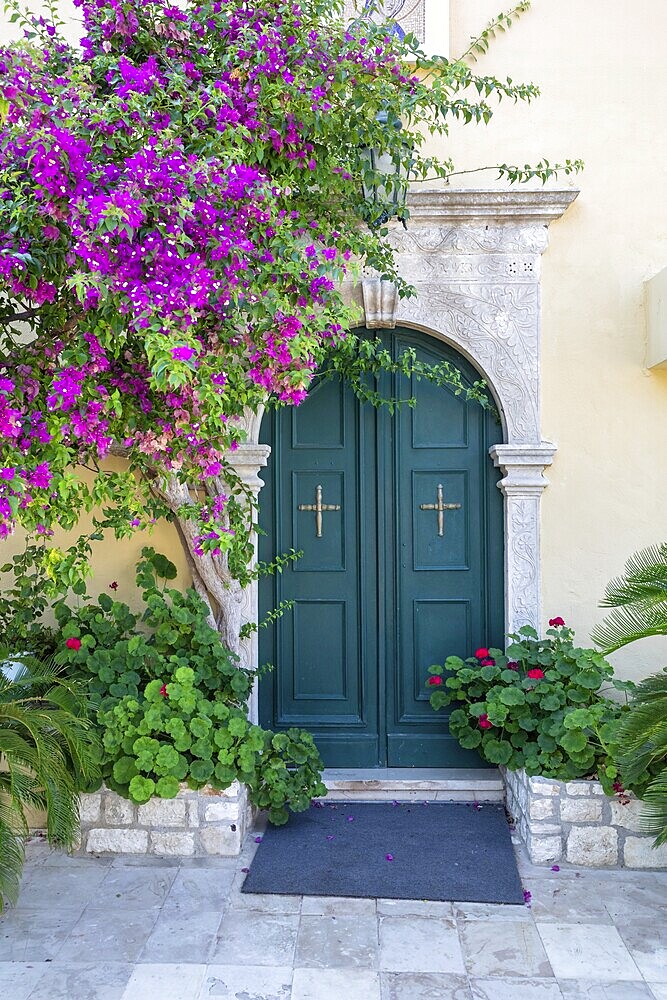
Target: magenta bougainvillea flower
{"points": [[182, 353]]}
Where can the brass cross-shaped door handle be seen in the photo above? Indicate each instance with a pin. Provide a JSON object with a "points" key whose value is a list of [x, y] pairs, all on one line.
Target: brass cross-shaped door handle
{"points": [[441, 507], [318, 507]]}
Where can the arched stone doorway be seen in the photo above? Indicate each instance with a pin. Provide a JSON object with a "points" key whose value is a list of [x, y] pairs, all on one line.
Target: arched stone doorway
{"points": [[400, 526]]}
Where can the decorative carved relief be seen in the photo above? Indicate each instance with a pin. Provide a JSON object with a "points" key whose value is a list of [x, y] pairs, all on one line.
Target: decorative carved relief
{"points": [[470, 238], [513, 270], [496, 326], [522, 562]]}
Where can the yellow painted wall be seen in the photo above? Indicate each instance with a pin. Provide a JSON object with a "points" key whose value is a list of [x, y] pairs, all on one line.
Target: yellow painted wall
{"points": [[603, 75]]}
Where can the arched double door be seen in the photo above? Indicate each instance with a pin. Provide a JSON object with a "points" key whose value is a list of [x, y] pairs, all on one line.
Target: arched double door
{"points": [[400, 525]]}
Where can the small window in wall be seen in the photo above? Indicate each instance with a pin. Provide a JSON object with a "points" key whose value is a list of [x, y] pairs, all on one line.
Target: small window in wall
{"points": [[427, 19]]}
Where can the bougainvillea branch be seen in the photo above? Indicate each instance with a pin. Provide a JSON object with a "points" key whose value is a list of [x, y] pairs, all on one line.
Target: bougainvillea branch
{"points": [[180, 199]]}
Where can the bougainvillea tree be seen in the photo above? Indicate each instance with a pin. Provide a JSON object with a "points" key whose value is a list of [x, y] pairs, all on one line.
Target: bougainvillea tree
{"points": [[180, 197]]}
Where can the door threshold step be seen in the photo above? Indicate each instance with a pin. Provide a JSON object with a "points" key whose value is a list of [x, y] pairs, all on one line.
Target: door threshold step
{"points": [[405, 784]]}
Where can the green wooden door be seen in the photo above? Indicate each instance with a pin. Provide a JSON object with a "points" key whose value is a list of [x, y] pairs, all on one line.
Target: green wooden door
{"points": [[387, 583]]}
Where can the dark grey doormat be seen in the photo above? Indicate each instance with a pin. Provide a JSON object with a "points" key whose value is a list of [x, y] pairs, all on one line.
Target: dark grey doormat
{"points": [[438, 850]]}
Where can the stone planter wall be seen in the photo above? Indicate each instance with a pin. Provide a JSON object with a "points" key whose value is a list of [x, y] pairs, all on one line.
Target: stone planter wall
{"points": [[576, 822], [194, 824]]}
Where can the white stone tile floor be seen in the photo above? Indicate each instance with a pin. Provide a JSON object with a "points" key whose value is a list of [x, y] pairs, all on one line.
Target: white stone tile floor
{"points": [[146, 929]]}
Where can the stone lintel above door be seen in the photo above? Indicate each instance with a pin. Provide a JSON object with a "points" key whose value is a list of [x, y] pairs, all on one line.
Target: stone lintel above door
{"points": [[474, 260]]}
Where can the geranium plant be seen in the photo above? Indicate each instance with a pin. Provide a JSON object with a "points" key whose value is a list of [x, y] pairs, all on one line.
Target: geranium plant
{"points": [[538, 705], [171, 701]]}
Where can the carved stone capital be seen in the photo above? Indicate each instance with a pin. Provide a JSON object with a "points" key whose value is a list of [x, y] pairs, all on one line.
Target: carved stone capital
{"points": [[250, 422], [380, 299], [523, 466], [247, 460]]}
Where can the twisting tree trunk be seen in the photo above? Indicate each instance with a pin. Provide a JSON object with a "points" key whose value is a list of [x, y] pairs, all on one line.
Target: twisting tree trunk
{"points": [[210, 574]]}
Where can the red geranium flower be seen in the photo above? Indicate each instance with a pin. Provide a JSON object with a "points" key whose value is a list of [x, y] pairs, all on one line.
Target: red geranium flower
{"points": [[482, 653], [163, 691], [488, 662], [512, 665], [73, 643], [535, 674], [556, 622], [484, 722], [113, 585], [435, 680]]}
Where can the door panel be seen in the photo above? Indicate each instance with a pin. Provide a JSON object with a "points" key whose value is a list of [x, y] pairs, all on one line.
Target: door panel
{"points": [[388, 588], [442, 569], [325, 648]]}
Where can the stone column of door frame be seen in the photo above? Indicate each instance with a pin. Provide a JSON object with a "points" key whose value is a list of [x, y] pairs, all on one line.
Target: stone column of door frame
{"points": [[247, 460], [522, 486]]}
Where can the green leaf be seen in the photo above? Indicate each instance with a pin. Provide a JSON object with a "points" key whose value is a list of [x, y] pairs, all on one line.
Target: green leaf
{"points": [[470, 738], [141, 788], [237, 727], [590, 679], [201, 770], [574, 741], [579, 718], [496, 751], [167, 787], [124, 770], [512, 696]]}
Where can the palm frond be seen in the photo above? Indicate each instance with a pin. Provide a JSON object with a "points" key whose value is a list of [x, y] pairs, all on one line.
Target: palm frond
{"points": [[47, 745], [642, 740], [639, 600], [12, 854], [654, 815]]}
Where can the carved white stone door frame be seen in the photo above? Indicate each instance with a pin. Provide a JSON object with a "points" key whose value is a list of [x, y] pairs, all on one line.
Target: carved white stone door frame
{"points": [[474, 259]]}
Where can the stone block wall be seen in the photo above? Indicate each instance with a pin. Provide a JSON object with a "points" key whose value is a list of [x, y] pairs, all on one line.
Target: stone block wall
{"points": [[194, 824], [576, 822]]}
